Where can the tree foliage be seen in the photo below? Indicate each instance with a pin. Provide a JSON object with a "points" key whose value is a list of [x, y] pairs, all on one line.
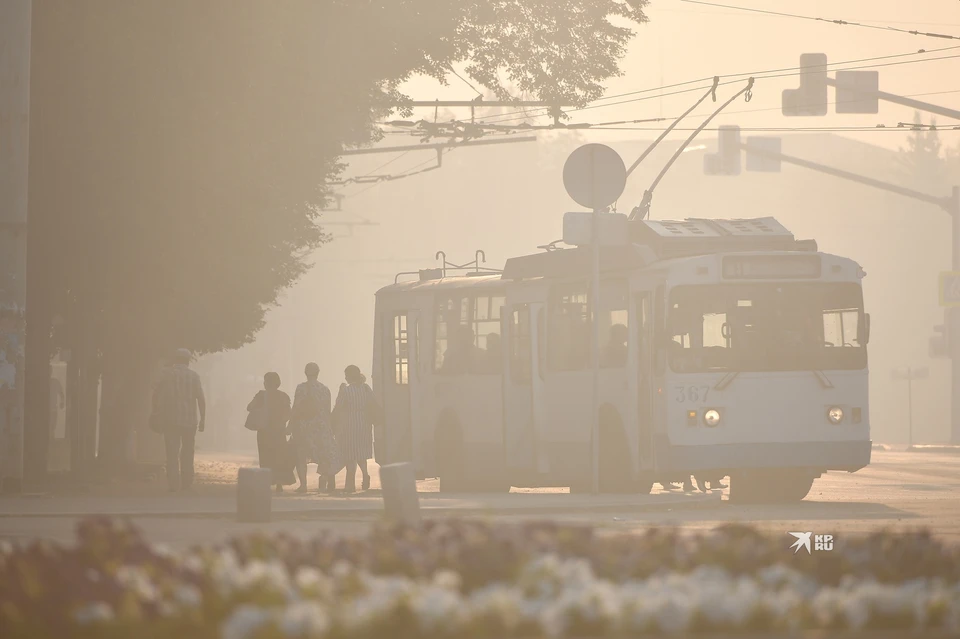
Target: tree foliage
{"points": [[922, 160], [179, 149], [207, 129]]}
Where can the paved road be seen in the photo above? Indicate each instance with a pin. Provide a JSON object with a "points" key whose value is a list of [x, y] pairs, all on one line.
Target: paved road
{"points": [[899, 490]]}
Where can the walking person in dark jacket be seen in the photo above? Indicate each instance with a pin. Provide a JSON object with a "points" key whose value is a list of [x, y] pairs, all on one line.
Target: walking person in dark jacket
{"points": [[177, 399], [356, 411], [272, 406]]}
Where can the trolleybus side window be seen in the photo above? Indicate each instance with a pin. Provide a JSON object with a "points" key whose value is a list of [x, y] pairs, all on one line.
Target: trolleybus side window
{"points": [[452, 345], [521, 363], [569, 330], [568, 336], [468, 335], [486, 330], [614, 323], [401, 353]]}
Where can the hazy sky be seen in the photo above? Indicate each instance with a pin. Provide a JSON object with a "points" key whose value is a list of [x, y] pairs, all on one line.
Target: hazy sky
{"points": [[686, 41], [456, 210]]}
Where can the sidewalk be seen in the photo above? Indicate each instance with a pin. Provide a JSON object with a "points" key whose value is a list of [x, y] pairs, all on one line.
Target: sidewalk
{"points": [[363, 506]]}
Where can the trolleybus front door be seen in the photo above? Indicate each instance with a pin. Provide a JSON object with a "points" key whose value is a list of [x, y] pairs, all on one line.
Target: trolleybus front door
{"points": [[402, 394], [415, 385], [519, 372], [643, 312]]}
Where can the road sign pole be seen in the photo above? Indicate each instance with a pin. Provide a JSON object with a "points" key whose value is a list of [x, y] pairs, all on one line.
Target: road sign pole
{"points": [[953, 324], [594, 176], [595, 327], [595, 341]]}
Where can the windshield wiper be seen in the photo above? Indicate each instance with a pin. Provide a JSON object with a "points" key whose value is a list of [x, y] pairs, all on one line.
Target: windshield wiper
{"points": [[726, 380], [823, 379]]}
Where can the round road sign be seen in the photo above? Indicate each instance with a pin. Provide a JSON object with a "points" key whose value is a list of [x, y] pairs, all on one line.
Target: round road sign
{"points": [[594, 176]]}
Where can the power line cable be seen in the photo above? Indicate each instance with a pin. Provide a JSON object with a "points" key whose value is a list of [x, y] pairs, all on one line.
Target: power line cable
{"points": [[386, 164], [899, 127], [832, 21], [757, 74], [464, 80], [617, 124], [408, 173], [873, 20]]}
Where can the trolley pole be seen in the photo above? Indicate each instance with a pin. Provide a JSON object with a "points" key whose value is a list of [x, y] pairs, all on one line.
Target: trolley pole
{"points": [[15, 25]]}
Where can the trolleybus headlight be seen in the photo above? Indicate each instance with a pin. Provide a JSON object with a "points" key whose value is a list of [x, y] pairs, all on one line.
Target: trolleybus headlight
{"points": [[835, 415], [711, 417]]}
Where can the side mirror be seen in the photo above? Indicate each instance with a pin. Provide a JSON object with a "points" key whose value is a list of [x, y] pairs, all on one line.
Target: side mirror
{"points": [[726, 331], [863, 334]]}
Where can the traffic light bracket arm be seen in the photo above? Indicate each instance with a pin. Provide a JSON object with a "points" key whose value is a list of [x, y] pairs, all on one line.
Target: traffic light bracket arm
{"points": [[948, 204], [908, 102]]}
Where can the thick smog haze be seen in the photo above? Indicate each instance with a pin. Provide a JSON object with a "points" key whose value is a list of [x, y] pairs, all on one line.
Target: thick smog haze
{"points": [[902, 244], [334, 319]]}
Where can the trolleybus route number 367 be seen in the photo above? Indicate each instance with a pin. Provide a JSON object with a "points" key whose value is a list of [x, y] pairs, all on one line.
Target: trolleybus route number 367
{"points": [[690, 394]]}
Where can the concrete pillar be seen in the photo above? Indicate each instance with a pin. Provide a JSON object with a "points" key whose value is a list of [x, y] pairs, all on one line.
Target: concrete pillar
{"points": [[254, 494], [15, 25], [400, 500]]}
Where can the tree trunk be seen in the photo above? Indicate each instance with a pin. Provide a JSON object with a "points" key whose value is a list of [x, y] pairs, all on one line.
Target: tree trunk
{"points": [[36, 414], [125, 404]]}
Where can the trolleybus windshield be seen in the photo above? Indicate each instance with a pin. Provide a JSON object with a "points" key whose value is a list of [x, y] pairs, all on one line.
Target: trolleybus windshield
{"points": [[766, 327]]}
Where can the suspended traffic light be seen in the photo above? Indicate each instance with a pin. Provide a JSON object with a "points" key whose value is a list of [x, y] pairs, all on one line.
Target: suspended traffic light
{"points": [[811, 97], [726, 161]]}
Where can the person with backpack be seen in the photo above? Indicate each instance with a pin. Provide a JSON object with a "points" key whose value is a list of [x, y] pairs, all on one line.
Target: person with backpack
{"points": [[177, 399]]}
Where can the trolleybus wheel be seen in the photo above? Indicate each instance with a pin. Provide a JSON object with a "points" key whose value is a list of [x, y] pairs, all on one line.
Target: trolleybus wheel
{"points": [[770, 486]]}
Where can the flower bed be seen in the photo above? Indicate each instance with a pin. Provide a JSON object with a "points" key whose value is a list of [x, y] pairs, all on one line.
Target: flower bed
{"points": [[470, 579]]}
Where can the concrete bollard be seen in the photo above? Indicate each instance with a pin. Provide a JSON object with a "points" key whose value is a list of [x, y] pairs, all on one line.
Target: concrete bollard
{"points": [[254, 492], [400, 500]]}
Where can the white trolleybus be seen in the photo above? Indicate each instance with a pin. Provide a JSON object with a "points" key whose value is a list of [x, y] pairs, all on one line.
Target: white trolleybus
{"points": [[728, 347]]}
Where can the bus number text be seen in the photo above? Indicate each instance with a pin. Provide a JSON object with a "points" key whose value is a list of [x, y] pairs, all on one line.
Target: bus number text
{"points": [[690, 394]]}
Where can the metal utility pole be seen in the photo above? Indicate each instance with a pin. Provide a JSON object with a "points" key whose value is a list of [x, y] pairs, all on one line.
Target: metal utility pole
{"points": [[15, 25], [910, 374]]}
